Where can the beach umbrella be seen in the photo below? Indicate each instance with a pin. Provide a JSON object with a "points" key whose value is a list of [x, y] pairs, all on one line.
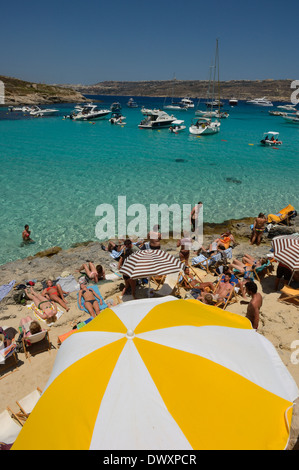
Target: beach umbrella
{"points": [[148, 263], [164, 374], [286, 251]]}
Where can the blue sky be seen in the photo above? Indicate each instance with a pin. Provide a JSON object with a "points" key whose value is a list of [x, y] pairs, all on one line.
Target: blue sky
{"points": [[88, 42]]}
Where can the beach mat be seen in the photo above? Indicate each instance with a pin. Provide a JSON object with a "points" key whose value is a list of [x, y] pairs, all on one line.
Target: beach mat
{"points": [[96, 289]]}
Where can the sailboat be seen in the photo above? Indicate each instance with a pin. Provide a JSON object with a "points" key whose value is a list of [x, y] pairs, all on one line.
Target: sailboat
{"points": [[178, 106], [206, 124]]}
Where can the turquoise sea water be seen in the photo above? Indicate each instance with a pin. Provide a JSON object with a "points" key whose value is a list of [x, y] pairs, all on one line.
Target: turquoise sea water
{"points": [[55, 172]]}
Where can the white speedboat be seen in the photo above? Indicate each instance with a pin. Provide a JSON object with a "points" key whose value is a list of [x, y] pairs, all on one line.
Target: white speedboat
{"points": [[157, 120], [88, 112], [20, 109], [204, 126], [132, 104], [150, 112], [187, 102], [271, 139], [177, 126], [214, 104], [209, 114], [39, 112], [260, 102], [233, 102], [115, 107], [118, 118], [277, 113], [292, 118], [176, 106], [288, 107]]}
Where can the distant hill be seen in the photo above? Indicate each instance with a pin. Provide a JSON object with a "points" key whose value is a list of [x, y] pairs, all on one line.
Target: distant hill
{"points": [[276, 90], [22, 92]]}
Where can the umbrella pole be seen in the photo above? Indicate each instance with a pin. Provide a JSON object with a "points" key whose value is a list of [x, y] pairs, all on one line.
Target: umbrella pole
{"points": [[291, 278], [149, 286]]}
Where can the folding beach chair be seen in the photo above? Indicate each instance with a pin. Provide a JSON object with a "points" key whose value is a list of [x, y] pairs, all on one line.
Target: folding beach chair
{"points": [[205, 263], [289, 295], [263, 270], [27, 404], [230, 299], [28, 341], [8, 359], [10, 427]]}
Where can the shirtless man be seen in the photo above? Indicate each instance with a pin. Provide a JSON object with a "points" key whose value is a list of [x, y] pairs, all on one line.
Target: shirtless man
{"points": [[185, 244], [258, 229], [26, 235], [224, 288], [253, 309], [194, 215], [154, 238]]}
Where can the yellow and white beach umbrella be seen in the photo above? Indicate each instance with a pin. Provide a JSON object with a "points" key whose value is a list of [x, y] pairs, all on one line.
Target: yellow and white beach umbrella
{"points": [[164, 374]]}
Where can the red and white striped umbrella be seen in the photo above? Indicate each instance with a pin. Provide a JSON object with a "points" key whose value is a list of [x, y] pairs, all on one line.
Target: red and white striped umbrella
{"points": [[147, 263], [286, 250]]}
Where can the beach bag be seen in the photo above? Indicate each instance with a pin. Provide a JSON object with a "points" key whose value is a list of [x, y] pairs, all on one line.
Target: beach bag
{"points": [[20, 298]]}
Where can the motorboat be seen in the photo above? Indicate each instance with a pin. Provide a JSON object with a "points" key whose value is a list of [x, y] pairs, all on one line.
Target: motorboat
{"points": [[233, 102], [208, 114], [288, 107], [176, 106], [277, 113], [214, 104], [271, 139], [177, 126], [148, 111], [292, 118], [132, 104], [115, 107], [20, 109], [157, 120], [260, 102], [204, 126], [117, 118], [39, 112], [89, 111], [187, 102]]}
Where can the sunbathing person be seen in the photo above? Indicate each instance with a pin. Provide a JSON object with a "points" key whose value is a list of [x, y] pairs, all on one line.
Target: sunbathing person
{"points": [[55, 292], [224, 288], [90, 297], [247, 265], [222, 243], [234, 280], [96, 273], [196, 286], [29, 326], [49, 309]]}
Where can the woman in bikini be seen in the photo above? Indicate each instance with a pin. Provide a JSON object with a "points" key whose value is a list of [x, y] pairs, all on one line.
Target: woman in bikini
{"points": [[49, 309], [89, 296], [258, 229], [95, 273], [55, 293]]}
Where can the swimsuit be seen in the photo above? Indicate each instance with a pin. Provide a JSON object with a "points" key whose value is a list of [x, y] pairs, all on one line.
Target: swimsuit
{"points": [[53, 287], [43, 302]]}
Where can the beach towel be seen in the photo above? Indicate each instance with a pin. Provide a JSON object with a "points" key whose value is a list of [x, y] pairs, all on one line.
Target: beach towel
{"points": [[202, 259], [116, 254], [32, 308], [68, 284], [5, 289], [96, 289]]}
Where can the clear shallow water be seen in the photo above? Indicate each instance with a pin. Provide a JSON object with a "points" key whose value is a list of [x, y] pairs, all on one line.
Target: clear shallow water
{"points": [[55, 172]]}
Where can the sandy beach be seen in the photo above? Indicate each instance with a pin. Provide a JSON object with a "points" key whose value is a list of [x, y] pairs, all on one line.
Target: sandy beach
{"points": [[278, 320]]}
